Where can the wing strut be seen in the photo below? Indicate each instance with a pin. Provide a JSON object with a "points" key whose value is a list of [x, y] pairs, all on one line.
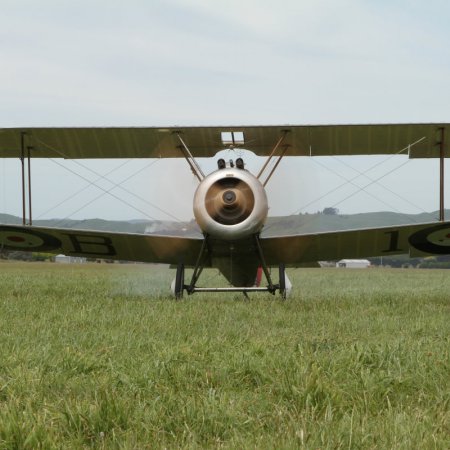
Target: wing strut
{"points": [[22, 163], [193, 164], [285, 147], [441, 144]]}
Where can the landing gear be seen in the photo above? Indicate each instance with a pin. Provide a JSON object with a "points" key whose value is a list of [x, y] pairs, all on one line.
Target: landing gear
{"points": [[179, 281], [282, 285], [179, 287]]}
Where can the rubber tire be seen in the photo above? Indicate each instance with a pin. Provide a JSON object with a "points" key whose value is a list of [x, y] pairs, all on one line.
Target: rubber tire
{"points": [[179, 281], [282, 280]]}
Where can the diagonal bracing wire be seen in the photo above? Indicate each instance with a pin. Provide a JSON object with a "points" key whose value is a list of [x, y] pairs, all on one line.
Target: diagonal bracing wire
{"points": [[312, 219], [112, 182], [363, 189], [381, 185], [118, 185], [92, 183], [105, 191], [357, 176]]}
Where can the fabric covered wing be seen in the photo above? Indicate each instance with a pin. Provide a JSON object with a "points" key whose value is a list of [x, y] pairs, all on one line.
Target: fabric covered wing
{"points": [[99, 244], [415, 240], [419, 140]]}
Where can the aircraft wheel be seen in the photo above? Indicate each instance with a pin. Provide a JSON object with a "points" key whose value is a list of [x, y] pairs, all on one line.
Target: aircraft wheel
{"points": [[282, 273], [179, 281]]}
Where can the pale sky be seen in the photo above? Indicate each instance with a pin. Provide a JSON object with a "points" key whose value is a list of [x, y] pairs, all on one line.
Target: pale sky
{"points": [[199, 62]]}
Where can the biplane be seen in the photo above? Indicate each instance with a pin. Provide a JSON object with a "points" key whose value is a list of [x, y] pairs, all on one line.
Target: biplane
{"points": [[230, 204]]}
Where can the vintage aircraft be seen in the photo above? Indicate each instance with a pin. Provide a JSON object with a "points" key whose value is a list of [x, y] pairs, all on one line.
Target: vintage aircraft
{"points": [[230, 204]]}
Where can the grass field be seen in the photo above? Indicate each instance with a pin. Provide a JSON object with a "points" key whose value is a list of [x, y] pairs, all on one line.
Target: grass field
{"points": [[97, 356]]}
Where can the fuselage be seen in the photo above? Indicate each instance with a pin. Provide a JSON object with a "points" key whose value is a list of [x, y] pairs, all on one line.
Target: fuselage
{"points": [[230, 207]]}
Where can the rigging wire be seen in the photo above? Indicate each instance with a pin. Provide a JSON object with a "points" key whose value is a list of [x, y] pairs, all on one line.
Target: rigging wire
{"points": [[357, 176], [373, 181], [363, 189], [92, 183], [105, 191], [118, 185], [381, 185], [113, 183], [4, 186]]}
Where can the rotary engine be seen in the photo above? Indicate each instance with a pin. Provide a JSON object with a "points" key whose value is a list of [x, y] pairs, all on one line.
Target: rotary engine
{"points": [[230, 203]]}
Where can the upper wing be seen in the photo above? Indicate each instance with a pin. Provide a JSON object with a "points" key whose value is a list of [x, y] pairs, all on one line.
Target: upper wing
{"points": [[419, 140], [100, 244], [415, 240]]}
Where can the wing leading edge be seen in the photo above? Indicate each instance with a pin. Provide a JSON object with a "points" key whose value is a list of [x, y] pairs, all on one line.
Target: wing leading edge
{"points": [[417, 140]]}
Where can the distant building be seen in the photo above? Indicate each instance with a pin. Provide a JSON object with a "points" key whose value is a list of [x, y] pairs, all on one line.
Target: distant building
{"points": [[63, 259], [353, 263]]}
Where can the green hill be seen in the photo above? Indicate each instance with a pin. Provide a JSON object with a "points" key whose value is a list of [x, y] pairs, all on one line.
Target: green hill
{"points": [[131, 226], [312, 223]]}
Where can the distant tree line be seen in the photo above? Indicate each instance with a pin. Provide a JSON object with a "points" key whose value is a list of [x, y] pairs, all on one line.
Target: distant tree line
{"points": [[402, 261], [398, 261], [17, 255]]}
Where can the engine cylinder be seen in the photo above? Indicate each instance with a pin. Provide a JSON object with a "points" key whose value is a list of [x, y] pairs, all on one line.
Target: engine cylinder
{"points": [[230, 204]]}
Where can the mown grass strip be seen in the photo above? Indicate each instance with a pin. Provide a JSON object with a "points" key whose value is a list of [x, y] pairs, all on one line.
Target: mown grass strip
{"points": [[98, 356]]}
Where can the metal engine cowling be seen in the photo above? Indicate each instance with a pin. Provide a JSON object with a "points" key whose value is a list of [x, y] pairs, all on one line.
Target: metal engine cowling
{"points": [[230, 204]]}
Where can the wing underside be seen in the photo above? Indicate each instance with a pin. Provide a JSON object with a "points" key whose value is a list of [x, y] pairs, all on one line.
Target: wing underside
{"points": [[415, 140]]}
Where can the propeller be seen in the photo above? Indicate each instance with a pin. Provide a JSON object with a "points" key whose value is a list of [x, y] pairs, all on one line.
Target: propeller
{"points": [[229, 201]]}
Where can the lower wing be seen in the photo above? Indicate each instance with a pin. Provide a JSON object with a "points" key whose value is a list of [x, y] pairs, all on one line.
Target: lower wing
{"points": [[100, 244], [296, 250], [415, 240]]}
